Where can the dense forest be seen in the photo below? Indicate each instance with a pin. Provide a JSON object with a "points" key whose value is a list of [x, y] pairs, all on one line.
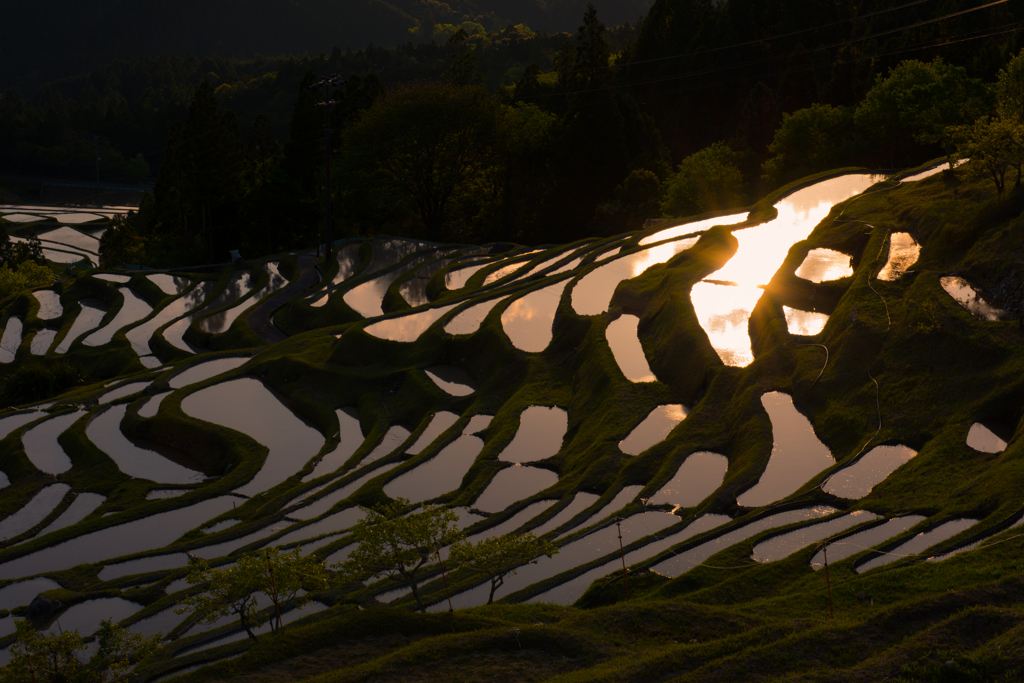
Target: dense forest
{"points": [[50, 39], [701, 107]]}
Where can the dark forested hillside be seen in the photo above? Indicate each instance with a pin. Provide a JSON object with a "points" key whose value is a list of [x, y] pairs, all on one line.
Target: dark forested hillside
{"points": [[702, 60], [50, 39]]}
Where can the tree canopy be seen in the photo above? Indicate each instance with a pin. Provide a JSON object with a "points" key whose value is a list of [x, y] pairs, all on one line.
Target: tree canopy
{"points": [[496, 557], [397, 544], [279, 575]]}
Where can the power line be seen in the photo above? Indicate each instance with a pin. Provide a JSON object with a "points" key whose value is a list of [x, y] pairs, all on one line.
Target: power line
{"points": [[764, 60], [766, 38]]}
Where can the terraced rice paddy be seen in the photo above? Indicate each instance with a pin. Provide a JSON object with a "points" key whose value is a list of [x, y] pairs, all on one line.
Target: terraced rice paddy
{"points": [[656, 384]]}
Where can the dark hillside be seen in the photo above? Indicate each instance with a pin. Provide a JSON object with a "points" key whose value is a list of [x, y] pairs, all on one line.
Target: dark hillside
{"points": [[699, 62], [51, 39]]}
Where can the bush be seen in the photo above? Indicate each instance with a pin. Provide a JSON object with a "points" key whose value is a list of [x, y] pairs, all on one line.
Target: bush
{"points": [[810, 140], [26, 275], [36, 381], [120, 243], [709, 180]]}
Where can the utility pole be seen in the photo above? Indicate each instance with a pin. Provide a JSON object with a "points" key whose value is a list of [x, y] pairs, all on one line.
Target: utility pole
{"points": [[96, 146], [333, 80]]}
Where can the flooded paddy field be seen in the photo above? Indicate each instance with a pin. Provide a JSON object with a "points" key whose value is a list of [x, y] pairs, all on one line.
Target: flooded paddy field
{"points": [[660, 384]]}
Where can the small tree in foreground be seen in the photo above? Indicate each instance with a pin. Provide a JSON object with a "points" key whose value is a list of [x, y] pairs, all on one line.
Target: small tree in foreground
{"points": [[398, 546], [53, 658], [497, 557], [236, 588], [994, 146]]}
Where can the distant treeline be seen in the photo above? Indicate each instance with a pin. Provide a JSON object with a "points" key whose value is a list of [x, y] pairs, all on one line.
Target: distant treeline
{"points": [[571, 134], [44, 40], [125, 109]]}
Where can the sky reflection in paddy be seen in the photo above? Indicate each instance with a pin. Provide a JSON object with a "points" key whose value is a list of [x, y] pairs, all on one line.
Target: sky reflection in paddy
{"points": [[105, 432], [11, 340], [763, 248], [591, 547], [49, 304], [685, 561], [629, 353], [696, 226], [804, 323], [140, 335], [903, 253], [468, 320], [451, 379], [654, 429], [407, 328], [512, 485], [572, 590], [247, 406], [414, 290], [723, 311], [593, 293], [825, 265], [971, 299], [348, 261], [41, 445], [457, 278], [505, 271], [88, 318], [72, 238], [919, 544], [132, 310], [220, 322], [540, 434], [439, 475], [696, 479], [857, 480], [797, 454], [782, 546], [981, 438], [527, 321], [42, 341], [851, 545], [35, 511], [169, 284]]}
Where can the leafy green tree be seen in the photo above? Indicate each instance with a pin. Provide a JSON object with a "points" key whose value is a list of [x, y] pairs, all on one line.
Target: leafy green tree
{"points": [[398, 546], [528, 84], [810, 140], [636, 200], [994, 146], [236, 588], [709, 180], [592, 51], [42, 657], [463, 69], [522, 170], [119, 650], [121, 244], [137, 168], [496, 557], [429, 143], [30, 250], [25, 275], [915, 104], [201, 181], [303, 156], [1010, 89]]}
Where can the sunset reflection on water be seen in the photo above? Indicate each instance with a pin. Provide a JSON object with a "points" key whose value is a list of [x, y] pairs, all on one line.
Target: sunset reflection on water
{"points": [[724, 302]]}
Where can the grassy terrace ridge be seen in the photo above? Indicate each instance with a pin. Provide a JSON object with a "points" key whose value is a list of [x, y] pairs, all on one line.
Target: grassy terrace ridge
{"points": [[938, 369]]}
